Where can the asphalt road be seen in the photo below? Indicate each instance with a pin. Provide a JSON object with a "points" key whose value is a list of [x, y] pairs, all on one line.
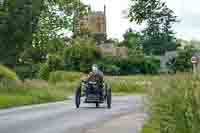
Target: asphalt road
{"points": [[63, 117]]}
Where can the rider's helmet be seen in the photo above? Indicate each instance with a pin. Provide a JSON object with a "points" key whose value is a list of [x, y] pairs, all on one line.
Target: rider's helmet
{"points": [[95, 68]]}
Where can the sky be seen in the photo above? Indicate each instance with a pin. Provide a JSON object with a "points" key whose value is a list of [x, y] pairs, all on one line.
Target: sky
{"points": [[188, 12]]}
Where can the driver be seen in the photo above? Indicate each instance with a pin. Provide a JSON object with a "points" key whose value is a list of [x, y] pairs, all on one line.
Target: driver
{"points": [[96, 75]]}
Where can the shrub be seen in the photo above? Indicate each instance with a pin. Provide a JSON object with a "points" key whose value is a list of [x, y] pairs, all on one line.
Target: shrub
{"points": [[182, 62], [55, 62], [131, 65], [111, 69], [151, 65], [80, 55], [6, 73], [60, 76], [44, 72], [27, 71]]}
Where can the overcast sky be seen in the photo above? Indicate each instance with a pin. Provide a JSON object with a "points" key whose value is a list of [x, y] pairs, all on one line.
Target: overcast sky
{"points": [[188, 12]]}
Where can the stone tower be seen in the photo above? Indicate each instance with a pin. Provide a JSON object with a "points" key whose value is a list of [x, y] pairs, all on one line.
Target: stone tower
{"points": [[95, 23]]}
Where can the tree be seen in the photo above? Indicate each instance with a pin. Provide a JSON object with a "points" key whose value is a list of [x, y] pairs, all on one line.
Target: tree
{"points": [[81, 54], [131, 40], [182, 62], [18, 19], [158, 36], [55, 16]]}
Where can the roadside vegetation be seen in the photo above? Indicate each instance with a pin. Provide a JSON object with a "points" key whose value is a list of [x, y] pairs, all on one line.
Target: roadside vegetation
{"points": [[60, 85], [174, 105], [41, 65], [17, 93]]}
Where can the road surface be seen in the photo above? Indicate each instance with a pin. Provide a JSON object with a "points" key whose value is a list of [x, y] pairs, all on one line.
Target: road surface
{"points": [[63, 117]]}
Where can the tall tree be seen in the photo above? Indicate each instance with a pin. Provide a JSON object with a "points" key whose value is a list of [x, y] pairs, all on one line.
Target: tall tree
{"points": [[17, 22], [158, 36], [55, 16], [131, 39]]}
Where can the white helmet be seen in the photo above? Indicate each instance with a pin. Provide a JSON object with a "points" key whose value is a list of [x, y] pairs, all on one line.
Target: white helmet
{"points": [[94, 68]]}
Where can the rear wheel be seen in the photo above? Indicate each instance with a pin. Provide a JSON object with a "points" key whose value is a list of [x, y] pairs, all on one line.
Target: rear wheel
{"points": [[109, 98], [78, 97]]}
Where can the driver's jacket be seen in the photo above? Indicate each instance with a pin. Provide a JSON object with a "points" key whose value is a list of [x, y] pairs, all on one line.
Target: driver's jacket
{"points": [[96, 77]]}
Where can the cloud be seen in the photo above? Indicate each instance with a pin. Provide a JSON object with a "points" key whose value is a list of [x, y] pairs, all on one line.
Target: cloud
{"points": [[190, 21], [188, 12]]}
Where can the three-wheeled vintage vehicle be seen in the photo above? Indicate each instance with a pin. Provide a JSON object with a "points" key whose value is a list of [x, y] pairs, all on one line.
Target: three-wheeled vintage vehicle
{"points": [[93, 93]]}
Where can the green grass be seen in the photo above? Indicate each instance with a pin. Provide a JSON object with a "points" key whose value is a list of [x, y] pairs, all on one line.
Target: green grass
{"points": [[7, 73], [148, 128], [174, 105], [62, 76], [61, 85], [130, 84], [14, 94]]}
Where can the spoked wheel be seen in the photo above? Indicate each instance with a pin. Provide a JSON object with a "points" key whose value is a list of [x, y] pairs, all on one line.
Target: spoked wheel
{"points": [[78, 97], [109, 98]]}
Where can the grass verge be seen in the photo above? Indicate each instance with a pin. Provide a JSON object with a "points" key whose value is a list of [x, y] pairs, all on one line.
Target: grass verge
{"points": [[61, 85], [174, 105], [14, 93]]}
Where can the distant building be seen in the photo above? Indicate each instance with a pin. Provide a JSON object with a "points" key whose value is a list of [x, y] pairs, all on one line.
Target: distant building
{"points": [[95, 24], [108, 49]]}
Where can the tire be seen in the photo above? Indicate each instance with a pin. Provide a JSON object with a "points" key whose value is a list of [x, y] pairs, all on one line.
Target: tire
{"points": [[78, 97], [97, 105], [109, 98]]}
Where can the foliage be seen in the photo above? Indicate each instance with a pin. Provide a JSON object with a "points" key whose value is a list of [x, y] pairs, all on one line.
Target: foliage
{"points": [[64, 76], [18, 19], [55, 62], [175, 104], [35, 55], [158, 37], [81, 54], [6, 73], [131, 65], [27, 71], [111, 69], [56, 46], [28, 27], [44, 72], [182, 62], [131, 40]]}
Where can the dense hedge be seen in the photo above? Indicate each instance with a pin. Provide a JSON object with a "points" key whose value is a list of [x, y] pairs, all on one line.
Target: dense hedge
{"points": [[80, 58], [124, 66]]}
